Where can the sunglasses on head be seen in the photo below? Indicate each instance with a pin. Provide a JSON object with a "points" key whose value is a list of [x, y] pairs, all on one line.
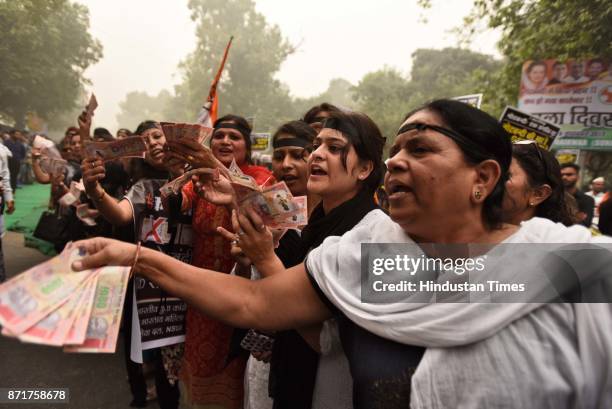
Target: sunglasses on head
{"points": [[537, 149]]}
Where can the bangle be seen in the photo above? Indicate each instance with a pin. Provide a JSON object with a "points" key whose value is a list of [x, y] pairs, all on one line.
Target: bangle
{"points": [[135, 258]]}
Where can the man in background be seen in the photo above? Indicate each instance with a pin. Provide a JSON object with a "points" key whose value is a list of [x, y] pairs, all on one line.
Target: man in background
{"points": [[18, 151], [6, 197], [559, 72], [576, 73], [586, 204]]}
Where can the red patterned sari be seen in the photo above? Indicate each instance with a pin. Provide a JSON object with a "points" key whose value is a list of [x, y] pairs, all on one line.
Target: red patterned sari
{"points": [[204, 373]]}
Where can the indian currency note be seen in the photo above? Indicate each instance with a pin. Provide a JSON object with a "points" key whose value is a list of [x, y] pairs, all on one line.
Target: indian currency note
{"points": [[105, 318], [78, 330], [91, 105], [53, 166], [280, 200], [46, 146], [83, 213], [295, 219], [132, 147], [168, 130], [68, 199], [72, 197], [174, 186], [32, 295], [53, 329]]}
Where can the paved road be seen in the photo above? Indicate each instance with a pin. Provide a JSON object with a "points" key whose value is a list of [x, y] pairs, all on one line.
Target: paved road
{"points": [[96, 381]]}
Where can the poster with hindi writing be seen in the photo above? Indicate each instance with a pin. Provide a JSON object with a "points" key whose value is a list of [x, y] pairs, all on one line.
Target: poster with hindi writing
{"points": [[568, 92], [525, 127]]}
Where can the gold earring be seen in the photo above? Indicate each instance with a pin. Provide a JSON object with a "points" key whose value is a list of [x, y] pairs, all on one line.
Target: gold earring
{"points": [[477, 195]]}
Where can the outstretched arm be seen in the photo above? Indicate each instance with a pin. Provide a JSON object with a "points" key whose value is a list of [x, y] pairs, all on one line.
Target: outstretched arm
{"points": [[284, 300]]}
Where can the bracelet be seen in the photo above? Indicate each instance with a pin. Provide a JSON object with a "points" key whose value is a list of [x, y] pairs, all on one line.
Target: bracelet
{"points": [[135, 259]]}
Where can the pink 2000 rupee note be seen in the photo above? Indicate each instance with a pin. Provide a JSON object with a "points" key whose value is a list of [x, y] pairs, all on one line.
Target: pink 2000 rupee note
{"points": [[32, 295], [53, 329], [105, 318], [78, 330]]}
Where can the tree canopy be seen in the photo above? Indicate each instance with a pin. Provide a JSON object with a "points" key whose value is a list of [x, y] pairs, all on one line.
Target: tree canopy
{"points": [[249, 86], [538, 29], [387, 96], [44, 51], [140, 106]]}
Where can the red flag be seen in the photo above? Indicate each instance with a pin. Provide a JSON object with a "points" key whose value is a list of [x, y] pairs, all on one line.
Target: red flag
{"points": [[208, 114]]}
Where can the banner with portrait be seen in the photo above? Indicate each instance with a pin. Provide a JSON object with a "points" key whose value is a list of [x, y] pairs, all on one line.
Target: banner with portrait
{"points": [[568, 92]]}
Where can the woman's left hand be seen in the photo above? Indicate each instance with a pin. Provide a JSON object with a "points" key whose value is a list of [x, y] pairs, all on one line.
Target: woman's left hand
{"points": [[254, 238], [104, 252], [214, 188]]}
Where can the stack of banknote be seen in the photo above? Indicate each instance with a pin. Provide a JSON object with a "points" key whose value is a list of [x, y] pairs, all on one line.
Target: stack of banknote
{"points": [[51, 304], [278, 208], [175, 131]]}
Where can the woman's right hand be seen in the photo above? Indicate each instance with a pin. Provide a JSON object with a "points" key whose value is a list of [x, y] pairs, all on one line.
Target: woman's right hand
{"points": [[93, 171], [104, 252]]}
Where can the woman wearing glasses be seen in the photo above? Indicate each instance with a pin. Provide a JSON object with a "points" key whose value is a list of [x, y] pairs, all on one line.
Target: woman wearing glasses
{"points": [[445, 181], [534, 187]]}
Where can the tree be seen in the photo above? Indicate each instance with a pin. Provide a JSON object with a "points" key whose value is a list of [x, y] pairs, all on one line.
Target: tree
{"points": [[248, 86], [44, 51], [387, 96], [540, 29], [384, 95], [139, 106], [339, 92]]}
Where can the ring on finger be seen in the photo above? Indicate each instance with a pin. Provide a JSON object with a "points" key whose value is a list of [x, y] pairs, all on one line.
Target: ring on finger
{"points": [[241, 233], [234, 242], [190, 158]]}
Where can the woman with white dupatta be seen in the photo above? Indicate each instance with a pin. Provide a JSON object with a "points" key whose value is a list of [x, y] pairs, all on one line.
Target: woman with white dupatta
{"points": [[445, 181]]}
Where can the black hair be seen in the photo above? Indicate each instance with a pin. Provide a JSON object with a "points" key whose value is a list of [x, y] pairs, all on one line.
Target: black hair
{"points": [[555, 207], [297, 129], [364, 135], [483, 131], [145, 125], [312, 115], [242, 123], [102, 133], [534, 64], [571, 165]]}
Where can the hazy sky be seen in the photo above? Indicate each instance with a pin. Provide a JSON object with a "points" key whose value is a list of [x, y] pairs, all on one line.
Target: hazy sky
{"points": [[144, 41]]}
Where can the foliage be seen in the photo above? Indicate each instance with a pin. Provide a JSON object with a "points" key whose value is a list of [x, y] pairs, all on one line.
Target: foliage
{"points": [[540, 29], [140, 106], [387, 96], [248, 86], [339, 92], [44, 51]]}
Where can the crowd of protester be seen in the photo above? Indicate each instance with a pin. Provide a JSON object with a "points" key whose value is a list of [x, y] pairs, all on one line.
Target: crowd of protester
{"points": [[452, 177]]}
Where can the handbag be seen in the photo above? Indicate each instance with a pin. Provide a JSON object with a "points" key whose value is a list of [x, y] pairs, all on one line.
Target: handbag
{"points": [[53, 228]]}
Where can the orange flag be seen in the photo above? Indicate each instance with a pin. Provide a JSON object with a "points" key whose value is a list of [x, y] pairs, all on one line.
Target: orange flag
{"points": [[208, 114]]}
